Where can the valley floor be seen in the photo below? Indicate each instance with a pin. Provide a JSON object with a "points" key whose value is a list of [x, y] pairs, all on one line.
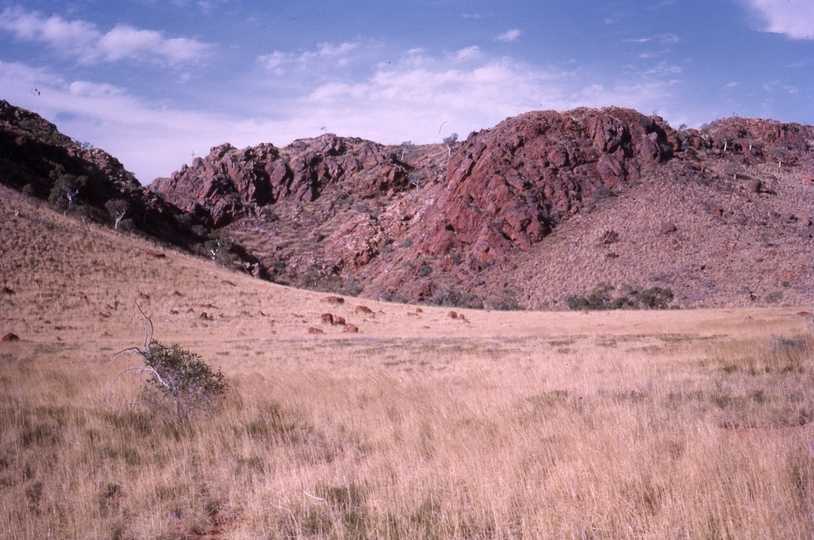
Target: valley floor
{"points": [[669, 424]]}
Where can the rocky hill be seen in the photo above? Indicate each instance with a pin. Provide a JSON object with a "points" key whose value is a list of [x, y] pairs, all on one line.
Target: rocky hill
{"points": [[90, 184], [544, 208], [589, 208]]}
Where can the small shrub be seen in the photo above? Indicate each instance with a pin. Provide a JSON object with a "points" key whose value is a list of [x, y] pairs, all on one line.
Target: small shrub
{"points": [[631, 298], [774, 297], [392, 295], [504, 300], [454, 298], [127, 225], [175, 375], [183, 377], [788, 354]]}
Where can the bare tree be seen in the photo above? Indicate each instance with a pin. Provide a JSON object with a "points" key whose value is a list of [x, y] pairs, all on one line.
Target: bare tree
{"points": [[415, 178], [450, 142], [118, 209], [407, 148]]}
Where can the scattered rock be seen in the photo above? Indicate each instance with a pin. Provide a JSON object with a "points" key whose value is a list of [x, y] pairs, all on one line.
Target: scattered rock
{"points": [[452, 315], [754, 186], [206, 317], [419, 310], [610, 237], [667, 228], [156, 254], [333, 300], [327, 318], [313, 330], [351, 329], [10, 337], [339, 321], [6, 290], [363, 309]]}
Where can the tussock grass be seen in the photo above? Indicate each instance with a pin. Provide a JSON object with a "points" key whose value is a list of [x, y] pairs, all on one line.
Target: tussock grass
{"points": [[701, 438]]}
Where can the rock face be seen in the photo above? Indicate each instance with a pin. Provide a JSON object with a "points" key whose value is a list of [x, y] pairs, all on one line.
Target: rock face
{"points": [[461, 228], [510, 186], [229, 183]]}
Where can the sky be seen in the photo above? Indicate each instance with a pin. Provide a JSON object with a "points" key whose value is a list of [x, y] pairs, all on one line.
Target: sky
{"points": [[159, 82]]}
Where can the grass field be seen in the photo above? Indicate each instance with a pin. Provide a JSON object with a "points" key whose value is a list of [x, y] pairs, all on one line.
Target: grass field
{"points": [[676, 424]]}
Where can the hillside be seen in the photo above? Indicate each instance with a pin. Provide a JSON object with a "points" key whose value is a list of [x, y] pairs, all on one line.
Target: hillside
{"points": [[543, 206], [589, 208]]}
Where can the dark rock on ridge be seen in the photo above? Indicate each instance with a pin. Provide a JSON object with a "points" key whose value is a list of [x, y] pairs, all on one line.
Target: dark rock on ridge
{"points": [[34, 155]]}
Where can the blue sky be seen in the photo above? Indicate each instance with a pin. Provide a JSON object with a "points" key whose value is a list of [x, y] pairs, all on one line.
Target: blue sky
{"points": [[156, 82]]}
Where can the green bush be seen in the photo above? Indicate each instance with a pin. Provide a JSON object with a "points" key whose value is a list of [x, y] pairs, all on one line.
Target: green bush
{"points": [[631, 298], [183, 378]]}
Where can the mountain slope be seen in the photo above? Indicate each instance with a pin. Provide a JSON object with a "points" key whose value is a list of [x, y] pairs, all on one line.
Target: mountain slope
{"points": [[542, 207]]}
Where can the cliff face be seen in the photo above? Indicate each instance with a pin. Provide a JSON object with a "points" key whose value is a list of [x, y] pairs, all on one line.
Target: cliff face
{"points": [[508, 187]]}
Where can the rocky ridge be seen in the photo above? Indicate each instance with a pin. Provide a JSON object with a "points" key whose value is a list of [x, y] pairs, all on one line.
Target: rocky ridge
{"points": [[543, 207], [90, 184], [473, 223]]}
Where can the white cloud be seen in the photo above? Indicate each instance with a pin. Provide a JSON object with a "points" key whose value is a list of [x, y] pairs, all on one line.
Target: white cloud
{"points": [[412, 98], [84, 41], [793, 18], [510, 35], [324, 51], [274, 60], [668, 39], [468, 53], [406, 100], [732, 84]]}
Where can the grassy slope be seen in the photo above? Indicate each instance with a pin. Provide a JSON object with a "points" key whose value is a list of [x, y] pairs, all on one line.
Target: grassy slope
{"points": [[506, 425]]}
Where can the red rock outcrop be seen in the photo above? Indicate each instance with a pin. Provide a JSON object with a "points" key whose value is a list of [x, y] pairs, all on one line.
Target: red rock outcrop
{"points": [[507, 187], [230, 183]]}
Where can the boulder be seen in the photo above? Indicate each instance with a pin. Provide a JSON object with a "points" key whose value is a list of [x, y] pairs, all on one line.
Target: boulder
{"points": [[667, 227]]}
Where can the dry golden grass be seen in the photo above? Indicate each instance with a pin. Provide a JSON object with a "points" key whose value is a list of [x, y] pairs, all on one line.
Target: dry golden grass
{"points": [[679, 424]]}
